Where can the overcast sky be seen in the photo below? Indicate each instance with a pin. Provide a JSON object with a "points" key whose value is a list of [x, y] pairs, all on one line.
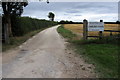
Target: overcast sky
{"points": [[73, 11]]}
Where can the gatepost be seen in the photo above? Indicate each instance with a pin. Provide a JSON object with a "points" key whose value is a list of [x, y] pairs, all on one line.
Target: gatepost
{"points": [[100, 32], [85, 29]]}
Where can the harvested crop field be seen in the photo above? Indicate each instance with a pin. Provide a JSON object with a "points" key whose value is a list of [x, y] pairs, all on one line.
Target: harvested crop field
{"points": [[78, 29]]}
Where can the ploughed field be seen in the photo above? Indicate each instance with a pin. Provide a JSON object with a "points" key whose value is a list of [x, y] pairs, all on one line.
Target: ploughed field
{"points": [[78, 28]]}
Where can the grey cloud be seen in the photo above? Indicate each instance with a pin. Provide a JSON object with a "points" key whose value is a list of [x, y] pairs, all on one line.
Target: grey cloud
{"points": [[66, 14], [98, 7], [72, 9], [42, 6], [119, 10], [88, 5], [77, 15]]}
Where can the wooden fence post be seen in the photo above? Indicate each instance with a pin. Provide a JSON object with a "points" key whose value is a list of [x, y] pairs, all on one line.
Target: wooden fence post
{"points": [[100, 32], [85, 30]]}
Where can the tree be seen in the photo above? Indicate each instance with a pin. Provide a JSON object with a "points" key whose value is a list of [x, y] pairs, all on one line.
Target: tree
{"points": [[117, 21], [9, 9], [51, 16]]}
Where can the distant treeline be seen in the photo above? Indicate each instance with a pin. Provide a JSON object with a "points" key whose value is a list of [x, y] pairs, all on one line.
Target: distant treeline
{"points": [[70, 22], [23, 25], [112, 22]]}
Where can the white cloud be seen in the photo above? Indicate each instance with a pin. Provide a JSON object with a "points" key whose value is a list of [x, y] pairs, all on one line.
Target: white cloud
{"points": [[89, 17], [73, 11], [98, 17], [75, 0]]}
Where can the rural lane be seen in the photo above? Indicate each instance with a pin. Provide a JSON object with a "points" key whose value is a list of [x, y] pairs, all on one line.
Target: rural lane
{"points": [[45, 55]]}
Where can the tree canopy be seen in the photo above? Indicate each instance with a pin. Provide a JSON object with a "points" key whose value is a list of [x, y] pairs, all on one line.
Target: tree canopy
{"points": [[51, 16], [15, 8]]}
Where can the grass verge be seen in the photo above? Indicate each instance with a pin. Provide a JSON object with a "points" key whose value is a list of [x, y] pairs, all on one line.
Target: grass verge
{"points": [[102, 53], [66, 33], [16, 41]]}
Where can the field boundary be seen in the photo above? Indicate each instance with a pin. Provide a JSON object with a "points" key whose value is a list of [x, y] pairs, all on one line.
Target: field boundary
{"points": [[85, 31]]}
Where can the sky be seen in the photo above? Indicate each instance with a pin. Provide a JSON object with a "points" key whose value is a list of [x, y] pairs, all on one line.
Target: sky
{"points": [[73, 11]]}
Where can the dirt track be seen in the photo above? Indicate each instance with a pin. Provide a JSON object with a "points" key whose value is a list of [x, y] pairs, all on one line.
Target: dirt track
{"points": [[45, 56]]}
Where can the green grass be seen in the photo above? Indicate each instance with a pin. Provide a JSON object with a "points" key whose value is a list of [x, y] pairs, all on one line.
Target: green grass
{"points": [[102, 53], [16, 41], [104, 56], [65, 33]]}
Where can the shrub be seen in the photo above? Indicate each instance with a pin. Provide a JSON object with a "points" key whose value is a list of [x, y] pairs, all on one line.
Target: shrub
{"points": [[24, 25]]}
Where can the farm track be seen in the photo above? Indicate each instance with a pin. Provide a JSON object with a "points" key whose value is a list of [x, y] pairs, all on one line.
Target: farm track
{"points": [[45, 55]]}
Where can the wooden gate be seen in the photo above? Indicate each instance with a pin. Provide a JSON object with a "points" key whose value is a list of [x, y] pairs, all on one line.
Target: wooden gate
{"points": [[100, 36]]}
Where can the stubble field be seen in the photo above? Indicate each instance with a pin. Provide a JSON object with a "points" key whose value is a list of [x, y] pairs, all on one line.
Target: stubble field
{"points": [[78, 29]]}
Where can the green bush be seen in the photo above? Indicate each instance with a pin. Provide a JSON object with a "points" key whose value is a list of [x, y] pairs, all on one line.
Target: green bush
{"points": [[24, 25]]}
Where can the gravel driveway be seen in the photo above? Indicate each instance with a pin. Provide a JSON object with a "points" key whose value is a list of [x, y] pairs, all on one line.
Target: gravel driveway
{"points": [[45, 55]]}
